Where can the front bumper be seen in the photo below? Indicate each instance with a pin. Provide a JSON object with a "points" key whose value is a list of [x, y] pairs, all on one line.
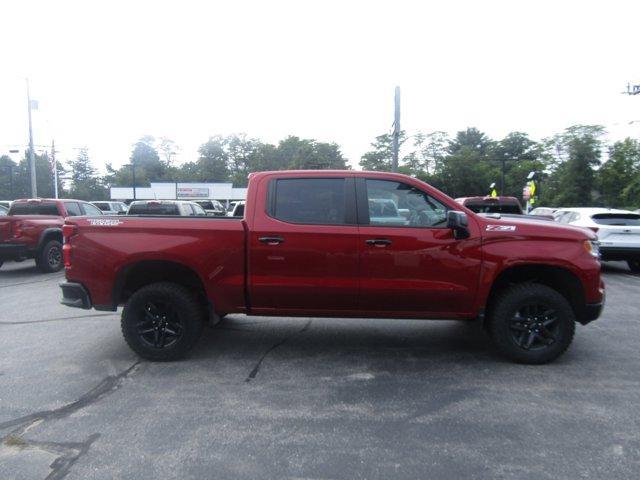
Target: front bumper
{"points": [[592, 311], [75, 295], [14, 251]]}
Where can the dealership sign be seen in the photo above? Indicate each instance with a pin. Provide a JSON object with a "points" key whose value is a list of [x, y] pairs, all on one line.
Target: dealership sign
{"points": [[193, 192]]}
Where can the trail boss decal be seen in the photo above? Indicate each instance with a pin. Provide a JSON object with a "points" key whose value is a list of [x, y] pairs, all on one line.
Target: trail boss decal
{"points": [[104, 222], [501, 228]]}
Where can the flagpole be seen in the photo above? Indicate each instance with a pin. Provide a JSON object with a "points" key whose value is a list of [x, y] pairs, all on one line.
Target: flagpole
{"points": [[32, 159]]}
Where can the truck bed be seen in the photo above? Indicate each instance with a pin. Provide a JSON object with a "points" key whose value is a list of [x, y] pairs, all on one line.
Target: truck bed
{"points": [[104, 248]]}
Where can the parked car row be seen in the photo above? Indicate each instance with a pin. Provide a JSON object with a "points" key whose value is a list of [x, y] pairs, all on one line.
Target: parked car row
{"points": [[32, 228], [618, 231]]}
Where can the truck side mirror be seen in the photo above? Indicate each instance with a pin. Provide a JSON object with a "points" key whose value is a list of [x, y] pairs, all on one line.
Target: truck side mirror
{"points": [[458, 222]]}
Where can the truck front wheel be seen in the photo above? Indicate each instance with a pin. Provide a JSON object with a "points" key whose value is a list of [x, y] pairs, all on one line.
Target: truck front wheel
{"points": [[162, 321], [531, 323]]}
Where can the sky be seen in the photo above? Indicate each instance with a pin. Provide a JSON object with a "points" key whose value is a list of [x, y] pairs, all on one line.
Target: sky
{"points": [[107, 73]]}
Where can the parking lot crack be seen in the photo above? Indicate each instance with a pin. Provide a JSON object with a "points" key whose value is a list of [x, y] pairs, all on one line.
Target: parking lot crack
{"points": [[255, 370], [58, 319], [68, 452]]}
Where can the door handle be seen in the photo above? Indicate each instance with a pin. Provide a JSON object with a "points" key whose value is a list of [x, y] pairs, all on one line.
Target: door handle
{"points": [[378, 242], [271, 240]]}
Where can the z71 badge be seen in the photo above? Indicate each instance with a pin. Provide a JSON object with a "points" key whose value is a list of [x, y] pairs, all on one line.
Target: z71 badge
{"points": [[104, 222], [501, 228]]}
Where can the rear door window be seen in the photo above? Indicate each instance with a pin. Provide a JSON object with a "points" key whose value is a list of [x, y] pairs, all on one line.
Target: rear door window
{"points": [[619, 219], [314, 201], [35, 208]]}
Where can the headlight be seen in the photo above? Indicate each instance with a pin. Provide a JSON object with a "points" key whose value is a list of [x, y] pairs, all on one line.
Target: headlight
{"points": [[592, 247]]}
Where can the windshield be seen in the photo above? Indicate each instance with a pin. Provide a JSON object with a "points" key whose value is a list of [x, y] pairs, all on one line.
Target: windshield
{"points": [[621, 219]]}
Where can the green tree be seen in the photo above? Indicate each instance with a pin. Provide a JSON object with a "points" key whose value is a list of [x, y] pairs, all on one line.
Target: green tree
{"points": [[213, 163], [577, 152], [619, 177], [8, 169], [294, 153], [85, 182], [380, 157]]}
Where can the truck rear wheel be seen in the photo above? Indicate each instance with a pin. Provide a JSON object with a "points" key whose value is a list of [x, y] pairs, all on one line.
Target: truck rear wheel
{"points": [[49, 258], [531, 323], [162, 321]]}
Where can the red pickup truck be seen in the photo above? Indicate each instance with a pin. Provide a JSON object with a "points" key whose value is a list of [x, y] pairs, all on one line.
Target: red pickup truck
{"points": [[337, 244], [33, 229]]}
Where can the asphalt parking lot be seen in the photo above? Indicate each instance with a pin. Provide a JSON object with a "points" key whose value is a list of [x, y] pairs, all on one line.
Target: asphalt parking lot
{"points": [[311, 398]]}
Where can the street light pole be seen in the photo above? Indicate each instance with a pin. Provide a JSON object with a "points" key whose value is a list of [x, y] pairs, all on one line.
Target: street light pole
{"points": [[32, 159]]}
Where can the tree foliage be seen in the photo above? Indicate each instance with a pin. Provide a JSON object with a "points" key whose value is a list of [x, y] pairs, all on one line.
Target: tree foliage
{"points": [[574, 167]]}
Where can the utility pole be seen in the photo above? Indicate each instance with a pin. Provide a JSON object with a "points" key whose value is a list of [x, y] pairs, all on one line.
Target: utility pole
{"points": [[396, 130], [32, 159], [54, 165]]}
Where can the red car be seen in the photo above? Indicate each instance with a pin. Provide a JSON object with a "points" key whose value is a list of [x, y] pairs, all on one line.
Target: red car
{"points": [[33, 229], [321, 243]]}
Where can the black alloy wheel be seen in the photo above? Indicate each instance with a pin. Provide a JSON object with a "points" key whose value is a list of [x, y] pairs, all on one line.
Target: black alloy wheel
{"points": [[534, 326], [531, 323], [162, 321], [159, 326]]}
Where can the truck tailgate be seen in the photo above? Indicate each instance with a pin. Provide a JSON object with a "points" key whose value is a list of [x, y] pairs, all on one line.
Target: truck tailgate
{"points": [[101, 249]]}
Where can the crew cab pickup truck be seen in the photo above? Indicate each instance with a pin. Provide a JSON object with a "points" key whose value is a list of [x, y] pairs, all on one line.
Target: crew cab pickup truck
{"points": [[33, 229], [312, 244]]}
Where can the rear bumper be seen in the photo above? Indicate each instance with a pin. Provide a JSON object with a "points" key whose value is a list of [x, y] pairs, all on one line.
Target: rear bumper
{"points": [[75, 295], [619, 253], [12, 251]]}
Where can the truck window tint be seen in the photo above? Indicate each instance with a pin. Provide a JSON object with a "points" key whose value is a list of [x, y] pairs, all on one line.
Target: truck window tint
{"points": [[619, 219], [73, 209], [396, 204], [310, 200], [102, 206], [34, 209], [154, 209]]}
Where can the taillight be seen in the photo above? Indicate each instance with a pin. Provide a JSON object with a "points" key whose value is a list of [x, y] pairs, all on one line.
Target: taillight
{"points": [[68, 231]]}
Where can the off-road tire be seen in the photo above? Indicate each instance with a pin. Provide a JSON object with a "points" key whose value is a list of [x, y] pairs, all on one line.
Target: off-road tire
{"points": [[634, 265], [49, 259], [506, 311], [184, 310]]}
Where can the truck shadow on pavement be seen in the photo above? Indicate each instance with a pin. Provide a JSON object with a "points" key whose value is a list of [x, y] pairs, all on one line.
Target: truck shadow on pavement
{"points": [[319, 344]]}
